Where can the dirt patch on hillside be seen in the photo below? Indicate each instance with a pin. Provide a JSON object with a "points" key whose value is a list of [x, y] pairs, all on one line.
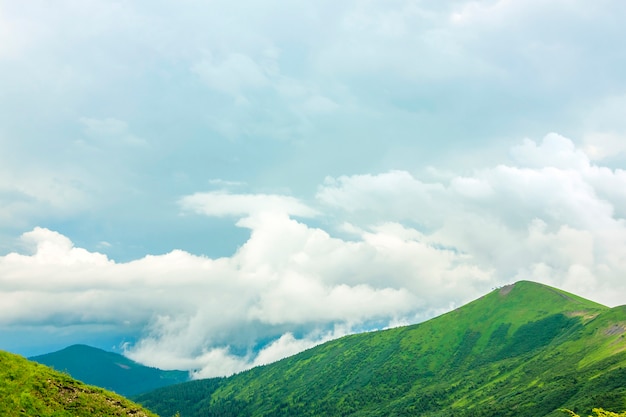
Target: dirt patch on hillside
{"points": [[617, 328], [506, 289], [586, 315], [81, 396]]}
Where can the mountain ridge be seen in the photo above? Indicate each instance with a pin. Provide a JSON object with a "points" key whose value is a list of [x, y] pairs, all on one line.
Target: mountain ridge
{"points": [[520, 350], [109, 370]]}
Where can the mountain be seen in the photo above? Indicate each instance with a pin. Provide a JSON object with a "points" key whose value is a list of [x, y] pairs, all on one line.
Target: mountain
{"points": [[109, 370], [522, 350], [30, 389]]}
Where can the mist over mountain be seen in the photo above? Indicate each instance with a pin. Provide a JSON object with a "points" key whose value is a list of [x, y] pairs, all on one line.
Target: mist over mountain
{"points": [[522, 350], [217, 186], [200, 180]]}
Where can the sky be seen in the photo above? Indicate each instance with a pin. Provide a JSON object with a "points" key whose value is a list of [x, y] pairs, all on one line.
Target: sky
{"points": [[214, 185]]}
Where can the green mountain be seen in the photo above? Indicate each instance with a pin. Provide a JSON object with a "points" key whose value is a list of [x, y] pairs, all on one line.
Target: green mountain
{"points": [[522, 350], [109, 370], [30, 389]]}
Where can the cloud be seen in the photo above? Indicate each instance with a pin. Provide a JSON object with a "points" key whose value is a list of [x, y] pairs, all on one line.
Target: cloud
{"points": [[30, 191], [407, 109], [220, 203], [203, 83], [359, 194], [287, 278], [554, 151], [232, 75], [17, 36], [221, 361], [111, 131], [601, 145], [413, 248], [551, 210], [605, 135]]}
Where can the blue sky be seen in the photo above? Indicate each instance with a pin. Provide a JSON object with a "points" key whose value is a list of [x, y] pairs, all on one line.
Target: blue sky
{"points": [[214, 185]]}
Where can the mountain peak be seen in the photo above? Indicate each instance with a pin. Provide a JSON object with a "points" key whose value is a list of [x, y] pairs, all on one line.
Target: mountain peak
{"points": [[525, 349], [532, 296], [506, 289], [109, 370]]}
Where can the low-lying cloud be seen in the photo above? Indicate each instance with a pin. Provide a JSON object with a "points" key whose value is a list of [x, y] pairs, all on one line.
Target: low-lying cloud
{"points": [[396, 248]]}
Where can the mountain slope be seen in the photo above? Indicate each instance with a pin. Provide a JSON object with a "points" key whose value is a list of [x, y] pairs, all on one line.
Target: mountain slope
{"points": [[30, 389], [109, 370], [522, 350]]}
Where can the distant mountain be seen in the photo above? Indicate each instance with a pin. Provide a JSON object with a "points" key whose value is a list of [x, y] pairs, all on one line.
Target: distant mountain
{"points": [[523, 350], [109, 370], [30, 389]]}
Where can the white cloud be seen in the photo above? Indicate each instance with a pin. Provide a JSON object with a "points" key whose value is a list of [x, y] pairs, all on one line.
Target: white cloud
{"points": [[601, 145], [372, 193], [471, 187], [50, 248], [221, 361], [220, 203], [605, 129], [278, 95], [287, 277], [416, 248], [29, 191], [551, 208], [554, 151], [328, 76]]}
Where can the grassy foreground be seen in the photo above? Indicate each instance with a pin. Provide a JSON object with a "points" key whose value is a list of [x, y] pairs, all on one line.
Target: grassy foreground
{"points": [[31, 389]]}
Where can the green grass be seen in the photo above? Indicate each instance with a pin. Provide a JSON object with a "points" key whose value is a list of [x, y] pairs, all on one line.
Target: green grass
{"points": [[31, 389], [523, 350]]}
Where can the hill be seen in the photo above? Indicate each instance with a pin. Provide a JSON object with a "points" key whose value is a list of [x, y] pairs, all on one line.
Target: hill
{"points": [[522, 350], [30, 389], [109, 370]]}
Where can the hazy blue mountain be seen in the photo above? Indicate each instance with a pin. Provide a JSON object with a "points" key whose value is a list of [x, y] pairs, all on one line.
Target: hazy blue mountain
{"points": [[109, 370]]}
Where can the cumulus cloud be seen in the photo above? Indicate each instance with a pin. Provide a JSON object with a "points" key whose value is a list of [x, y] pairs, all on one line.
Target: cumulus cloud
{"points": [[554, 151], [549, 215], [323, 77], [262, 94], [287, 279], [414, 248]]}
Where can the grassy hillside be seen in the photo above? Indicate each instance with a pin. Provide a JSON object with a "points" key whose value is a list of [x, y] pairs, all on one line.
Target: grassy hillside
{"points": [[522, 350], [31, 389], [109, 370]]}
